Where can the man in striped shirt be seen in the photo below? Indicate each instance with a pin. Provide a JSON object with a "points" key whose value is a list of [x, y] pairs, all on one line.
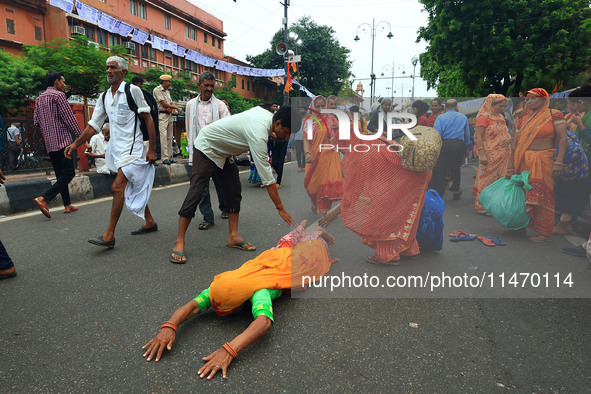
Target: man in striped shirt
{"points": [[54, 116]]}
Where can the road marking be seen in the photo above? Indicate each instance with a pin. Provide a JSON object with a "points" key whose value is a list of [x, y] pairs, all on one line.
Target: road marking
{"points": [[93, 201]]}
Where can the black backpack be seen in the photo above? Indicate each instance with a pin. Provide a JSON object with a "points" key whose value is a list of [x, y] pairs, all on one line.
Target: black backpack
{"points": [[133, 106]]}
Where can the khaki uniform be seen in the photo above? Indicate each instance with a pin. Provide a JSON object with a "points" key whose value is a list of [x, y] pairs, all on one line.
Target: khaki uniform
{"points": [[164, 122]]}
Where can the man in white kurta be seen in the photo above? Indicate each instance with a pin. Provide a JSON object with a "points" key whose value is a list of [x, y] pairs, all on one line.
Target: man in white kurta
{"points": [[199, 112], [124, 154], [213, 152]]}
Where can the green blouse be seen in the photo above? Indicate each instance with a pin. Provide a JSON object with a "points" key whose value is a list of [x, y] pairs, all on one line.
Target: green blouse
{"points": [[261, 300]]}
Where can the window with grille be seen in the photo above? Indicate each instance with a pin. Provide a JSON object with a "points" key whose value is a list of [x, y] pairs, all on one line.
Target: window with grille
{"points": [[167, 22], [187, 31], [38, 33], [114, 39], [101, 37], [10, 26], [133, 7], [89, 32], [143, 12], [194, 34]]}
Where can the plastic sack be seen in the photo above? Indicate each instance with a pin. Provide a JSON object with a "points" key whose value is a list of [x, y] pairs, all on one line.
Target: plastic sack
{"points": [[430, 229], [505, 201]]}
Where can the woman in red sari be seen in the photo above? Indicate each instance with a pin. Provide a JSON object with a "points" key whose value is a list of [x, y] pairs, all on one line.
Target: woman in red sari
{"points": [[382, 201], [538, 132], [492, 143], [324, 179]]}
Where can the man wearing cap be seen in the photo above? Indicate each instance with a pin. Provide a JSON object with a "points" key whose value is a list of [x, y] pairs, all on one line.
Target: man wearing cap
{"points": [[165, 110]]}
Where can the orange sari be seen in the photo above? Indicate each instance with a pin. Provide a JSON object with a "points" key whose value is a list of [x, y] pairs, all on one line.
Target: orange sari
{"points": [[496, 142], [540, 199], [324, 178], [382, 201], [297, 255]]}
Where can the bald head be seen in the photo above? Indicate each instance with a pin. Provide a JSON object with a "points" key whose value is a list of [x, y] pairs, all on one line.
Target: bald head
{"points": [[451, 104]]}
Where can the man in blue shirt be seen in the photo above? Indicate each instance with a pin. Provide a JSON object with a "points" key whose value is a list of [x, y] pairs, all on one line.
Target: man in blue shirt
{"points": [[455, 135]]}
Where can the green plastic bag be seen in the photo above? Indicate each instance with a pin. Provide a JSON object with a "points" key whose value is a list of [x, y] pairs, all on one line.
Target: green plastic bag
{"points": [[505, 201]]}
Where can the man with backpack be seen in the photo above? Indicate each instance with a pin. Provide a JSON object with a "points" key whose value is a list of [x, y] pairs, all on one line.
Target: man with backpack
{"points": [[139, 82], [129, 119]]}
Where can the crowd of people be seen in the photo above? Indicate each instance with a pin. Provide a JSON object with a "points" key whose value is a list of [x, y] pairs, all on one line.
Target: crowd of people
{"points": [[379, 197]]}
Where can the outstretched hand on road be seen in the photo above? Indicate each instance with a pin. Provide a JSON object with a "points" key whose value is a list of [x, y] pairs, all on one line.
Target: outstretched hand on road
{"points": [[156, 346]]}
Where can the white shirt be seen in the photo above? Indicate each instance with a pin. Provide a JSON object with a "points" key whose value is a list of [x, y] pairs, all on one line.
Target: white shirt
{"points": [[13, 131], [203, 116], [119, 150], [236, 134], [98, 144]]}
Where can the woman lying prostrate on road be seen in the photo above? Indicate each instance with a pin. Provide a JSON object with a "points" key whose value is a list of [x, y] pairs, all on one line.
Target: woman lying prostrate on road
{"points": [[297, 255]]}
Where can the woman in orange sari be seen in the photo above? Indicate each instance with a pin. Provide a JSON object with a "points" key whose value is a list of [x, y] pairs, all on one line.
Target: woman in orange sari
{"points": [[324, 179], [382, 201], [537, 133], [492, 144], [298, 260]]}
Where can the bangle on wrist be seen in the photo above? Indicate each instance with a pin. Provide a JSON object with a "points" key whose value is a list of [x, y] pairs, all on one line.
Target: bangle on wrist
{"points": [[168, 324], [230, 350]]}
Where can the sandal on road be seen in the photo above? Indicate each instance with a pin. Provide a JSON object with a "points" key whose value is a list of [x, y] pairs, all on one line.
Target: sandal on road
{"points": [[486, 241], [205, 225], [463, 237], [243, 246], [376, 261], [178, 261]]}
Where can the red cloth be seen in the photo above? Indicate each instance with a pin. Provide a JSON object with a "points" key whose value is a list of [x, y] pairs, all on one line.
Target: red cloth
{"points": [[54, 116], [382, 201]]}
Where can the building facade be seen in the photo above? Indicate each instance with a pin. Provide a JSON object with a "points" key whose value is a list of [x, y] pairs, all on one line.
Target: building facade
{"points": [[30, 22]]}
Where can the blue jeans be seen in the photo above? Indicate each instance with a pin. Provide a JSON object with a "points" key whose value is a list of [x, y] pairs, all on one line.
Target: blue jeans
{"points": [[5, 261]]}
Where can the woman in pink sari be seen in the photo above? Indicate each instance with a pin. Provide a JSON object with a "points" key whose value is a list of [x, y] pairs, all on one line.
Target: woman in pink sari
{"points": [[324, 179], [492, 144]]}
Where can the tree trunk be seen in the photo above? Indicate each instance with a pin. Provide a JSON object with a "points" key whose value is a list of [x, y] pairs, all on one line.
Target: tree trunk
{"points": [[517, 86]]}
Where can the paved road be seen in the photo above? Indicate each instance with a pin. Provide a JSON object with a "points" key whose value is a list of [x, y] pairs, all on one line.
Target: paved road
{"points": [[75, 318]]}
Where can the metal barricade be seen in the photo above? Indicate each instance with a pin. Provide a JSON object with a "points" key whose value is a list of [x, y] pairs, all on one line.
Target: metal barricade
{"points": [[33, 157]]}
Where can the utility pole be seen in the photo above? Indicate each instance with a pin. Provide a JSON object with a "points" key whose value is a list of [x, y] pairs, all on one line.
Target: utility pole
{"points": [[285, 5]]}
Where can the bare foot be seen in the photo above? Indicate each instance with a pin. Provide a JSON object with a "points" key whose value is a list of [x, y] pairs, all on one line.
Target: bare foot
{"points": [[330, 240]]}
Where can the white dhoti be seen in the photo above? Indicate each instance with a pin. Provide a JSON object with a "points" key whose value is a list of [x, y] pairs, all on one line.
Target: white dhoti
{"points": [[140, 178]]}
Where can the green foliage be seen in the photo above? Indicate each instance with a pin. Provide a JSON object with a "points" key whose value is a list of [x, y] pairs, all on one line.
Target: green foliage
{"points": [[21, 80], [479, 47], [236, 102], [182, 86], [324, 67], [82, 64]]}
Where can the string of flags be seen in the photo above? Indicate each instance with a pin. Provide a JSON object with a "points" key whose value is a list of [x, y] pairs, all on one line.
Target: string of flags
{"points": [[139, 36]]}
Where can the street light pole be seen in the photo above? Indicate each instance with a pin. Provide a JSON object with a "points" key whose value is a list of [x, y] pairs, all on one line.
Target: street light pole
{"points": [[414, 62], [373, 27], [286, 91]]}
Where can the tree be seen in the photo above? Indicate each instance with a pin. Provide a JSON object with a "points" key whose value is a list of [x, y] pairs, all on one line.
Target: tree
{"points": [[324, 67], [21, 80], [236, 102], [81, 62], [479, 47]]}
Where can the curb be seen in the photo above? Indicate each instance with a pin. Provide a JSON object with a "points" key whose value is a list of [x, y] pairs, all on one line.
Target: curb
{"points": [[17, 196]]}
